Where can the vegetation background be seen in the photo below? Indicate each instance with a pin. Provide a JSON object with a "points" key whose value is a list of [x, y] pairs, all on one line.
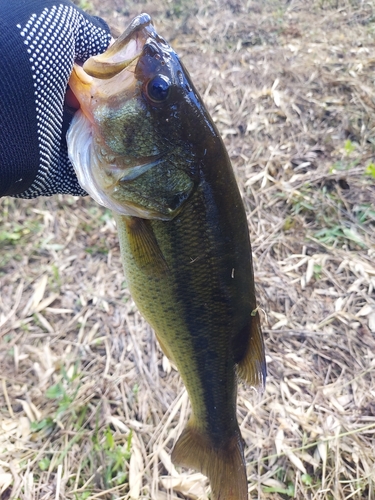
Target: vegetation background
{"points": [[89, 406]]}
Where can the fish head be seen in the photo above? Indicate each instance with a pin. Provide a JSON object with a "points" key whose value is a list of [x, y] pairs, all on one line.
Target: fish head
{"points": [[142, 132]]}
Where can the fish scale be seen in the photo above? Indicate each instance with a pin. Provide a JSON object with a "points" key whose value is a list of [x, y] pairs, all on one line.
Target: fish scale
{"points": [[205, 310], [183, 234]]}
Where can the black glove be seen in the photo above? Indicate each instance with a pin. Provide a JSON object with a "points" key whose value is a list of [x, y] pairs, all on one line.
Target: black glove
{"points": [[39, 41]]}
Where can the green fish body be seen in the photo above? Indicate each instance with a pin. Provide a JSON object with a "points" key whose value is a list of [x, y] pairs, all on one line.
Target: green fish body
{"points": [[144, 145]]}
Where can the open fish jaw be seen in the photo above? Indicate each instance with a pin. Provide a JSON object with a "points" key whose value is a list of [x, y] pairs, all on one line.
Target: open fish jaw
{"points": [[123, 51]]}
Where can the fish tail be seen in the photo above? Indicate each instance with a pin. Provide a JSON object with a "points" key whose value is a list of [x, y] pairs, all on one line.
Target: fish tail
{"points": [[224, 465]]}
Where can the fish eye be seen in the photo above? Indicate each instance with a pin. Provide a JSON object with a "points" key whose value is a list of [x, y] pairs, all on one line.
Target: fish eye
{"points": [[158, 88]]}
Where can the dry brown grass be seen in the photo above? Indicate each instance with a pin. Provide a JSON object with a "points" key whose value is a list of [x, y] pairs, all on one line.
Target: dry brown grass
{"points": [[90, 408]]}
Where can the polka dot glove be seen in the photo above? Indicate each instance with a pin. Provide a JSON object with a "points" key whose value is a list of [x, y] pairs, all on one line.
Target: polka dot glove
{"points": [[39, 42]]}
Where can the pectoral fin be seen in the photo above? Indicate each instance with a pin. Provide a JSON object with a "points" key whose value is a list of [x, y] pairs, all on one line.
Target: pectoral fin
{"points": [[252, 366], [143, 245]]}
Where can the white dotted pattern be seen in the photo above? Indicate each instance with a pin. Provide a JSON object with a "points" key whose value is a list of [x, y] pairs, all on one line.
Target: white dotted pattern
{"points": [[54, 40]]}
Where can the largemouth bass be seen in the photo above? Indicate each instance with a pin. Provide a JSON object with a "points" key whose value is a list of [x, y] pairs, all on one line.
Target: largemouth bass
{"points": [[144, 145]]}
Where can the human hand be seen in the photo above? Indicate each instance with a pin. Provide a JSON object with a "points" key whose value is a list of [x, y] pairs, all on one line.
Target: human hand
{"points": [[39, 41]]}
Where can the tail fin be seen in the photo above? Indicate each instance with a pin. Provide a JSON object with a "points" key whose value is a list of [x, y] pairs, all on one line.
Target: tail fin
{"points": [[224, 466]]}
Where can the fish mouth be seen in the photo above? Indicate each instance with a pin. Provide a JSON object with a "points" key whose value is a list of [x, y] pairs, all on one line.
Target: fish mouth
{"points": [[104, 74], [123, 52]]}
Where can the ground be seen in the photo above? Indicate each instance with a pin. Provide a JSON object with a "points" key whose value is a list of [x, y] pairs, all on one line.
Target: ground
{"points": [[89, 406]]}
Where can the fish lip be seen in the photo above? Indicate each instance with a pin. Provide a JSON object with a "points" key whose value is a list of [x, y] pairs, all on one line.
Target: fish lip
{"points": [[138, 23], [120, 54]]}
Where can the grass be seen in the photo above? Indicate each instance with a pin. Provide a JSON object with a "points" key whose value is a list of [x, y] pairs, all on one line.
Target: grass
{"points": [[89, 406]]}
